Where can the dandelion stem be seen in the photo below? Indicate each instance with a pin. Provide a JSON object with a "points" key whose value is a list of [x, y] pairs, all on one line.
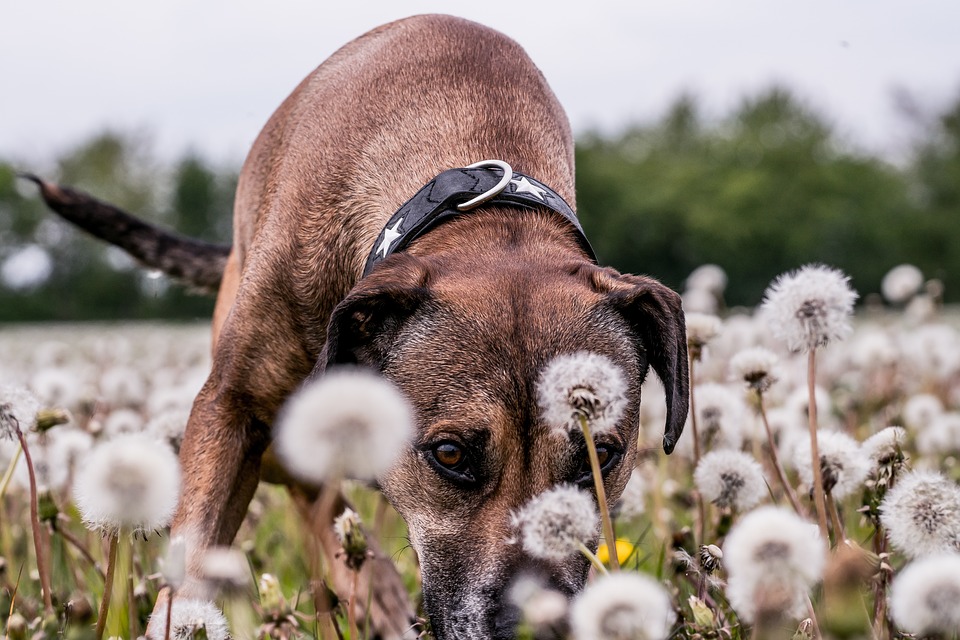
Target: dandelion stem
{"points": [[8, 474], [882, 629], [605, 519], [42, 567], [813, 619], [839, 535], [166, 629], [108, 585], [818, 495], [775, 459], [592, 557], [352, 608], [701, 507]]}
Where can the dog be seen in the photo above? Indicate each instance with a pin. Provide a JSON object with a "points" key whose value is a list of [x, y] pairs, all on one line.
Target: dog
{"points": [[462, 318]]}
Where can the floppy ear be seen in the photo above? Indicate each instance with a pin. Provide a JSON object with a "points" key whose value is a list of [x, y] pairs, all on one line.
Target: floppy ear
{"points": [[656, 315], [364, 326]]}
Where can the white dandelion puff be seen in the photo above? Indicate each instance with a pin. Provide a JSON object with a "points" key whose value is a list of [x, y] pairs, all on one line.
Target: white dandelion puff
{"points": [[920, 409], [582, 384], [901, 283], [540, 607], [701, 329], [810, 307], [187, 618], [720, 416], [128, 483], [756, 367], [622, 606], [18, 411], [922, 514], [924, 596], [173, 565], [350, 423], [773, 558], [730, 479], [120, 422], [123, 386], [940, 436], [884, 444], [707, 277], [843, 463], [554, 524], [225, 570]]}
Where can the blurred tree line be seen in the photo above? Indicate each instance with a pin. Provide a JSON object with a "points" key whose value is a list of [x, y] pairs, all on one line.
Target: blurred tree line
{"points": [[768, 188]]}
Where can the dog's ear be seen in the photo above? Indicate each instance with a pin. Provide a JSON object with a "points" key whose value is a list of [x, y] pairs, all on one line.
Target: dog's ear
{"points": [[655, 313], [363, 327]]}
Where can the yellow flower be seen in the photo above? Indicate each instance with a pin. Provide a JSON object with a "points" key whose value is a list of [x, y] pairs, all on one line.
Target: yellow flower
{"points": [[624, 551]]}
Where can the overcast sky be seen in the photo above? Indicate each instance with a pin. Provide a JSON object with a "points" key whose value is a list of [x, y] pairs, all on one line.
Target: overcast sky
{"points": [[206, 74]]}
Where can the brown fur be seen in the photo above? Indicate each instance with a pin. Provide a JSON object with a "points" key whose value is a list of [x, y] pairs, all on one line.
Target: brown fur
{"points": [[463, 321]]}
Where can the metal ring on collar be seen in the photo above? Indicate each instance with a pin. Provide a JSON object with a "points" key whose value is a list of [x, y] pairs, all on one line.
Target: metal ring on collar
{"points": [[495, 191]]}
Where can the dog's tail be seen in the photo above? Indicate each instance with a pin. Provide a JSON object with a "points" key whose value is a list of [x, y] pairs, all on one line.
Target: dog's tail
{"points": [[196, 263]]}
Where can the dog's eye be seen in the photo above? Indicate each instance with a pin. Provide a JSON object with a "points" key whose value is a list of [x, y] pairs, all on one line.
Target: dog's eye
{"points": [[448, 454], [607, 457], [451, 460]]}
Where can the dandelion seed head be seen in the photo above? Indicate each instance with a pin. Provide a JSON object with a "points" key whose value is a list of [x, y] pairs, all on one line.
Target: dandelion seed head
{"points": [[920, 409], [120, 422], [924, 596], [123, 386], [173, 565], [186, 618], [699, 301], [940, 436], [18, 411], [884, 444], [583, 384], [131, 482], [555, 523], [58, 387], [772, 552], [844, 465], [720, 415], [350, 423], [541, 608], [707, 277], [921, 513], [701, 329], [756, 367], [901, 283], [169, 425], [810, 307], [622, 606], [730, 479], [225, 570]]}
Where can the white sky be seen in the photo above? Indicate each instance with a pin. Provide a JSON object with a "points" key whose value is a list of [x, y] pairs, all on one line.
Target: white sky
{"points": [[206, 74]]}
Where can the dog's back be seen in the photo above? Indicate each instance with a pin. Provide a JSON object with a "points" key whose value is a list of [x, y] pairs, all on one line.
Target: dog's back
{"points": [[389, 111]]}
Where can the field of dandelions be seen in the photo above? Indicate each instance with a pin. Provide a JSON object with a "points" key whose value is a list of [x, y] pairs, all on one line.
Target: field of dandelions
{"points": [[742, 532]]}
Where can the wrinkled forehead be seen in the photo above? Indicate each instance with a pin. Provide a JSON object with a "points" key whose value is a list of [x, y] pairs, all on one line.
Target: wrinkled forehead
{"points": [[482, 341]]}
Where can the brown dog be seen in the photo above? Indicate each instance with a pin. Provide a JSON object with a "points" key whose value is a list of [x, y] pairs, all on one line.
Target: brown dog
{"points": [[463, 320]]}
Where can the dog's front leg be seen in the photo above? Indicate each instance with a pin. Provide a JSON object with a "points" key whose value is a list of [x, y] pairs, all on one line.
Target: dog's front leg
{"points": [[220, 465]]}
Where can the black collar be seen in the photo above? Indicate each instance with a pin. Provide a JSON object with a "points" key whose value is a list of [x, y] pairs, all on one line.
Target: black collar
{"points": [[456, 191]]}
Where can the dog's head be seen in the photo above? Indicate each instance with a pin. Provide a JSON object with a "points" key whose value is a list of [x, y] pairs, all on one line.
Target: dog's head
{"points": [[466, 342]]}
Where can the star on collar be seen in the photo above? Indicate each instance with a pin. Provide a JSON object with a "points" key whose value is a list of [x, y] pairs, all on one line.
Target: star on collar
{"points": [[525, 186], [389, 237]]}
